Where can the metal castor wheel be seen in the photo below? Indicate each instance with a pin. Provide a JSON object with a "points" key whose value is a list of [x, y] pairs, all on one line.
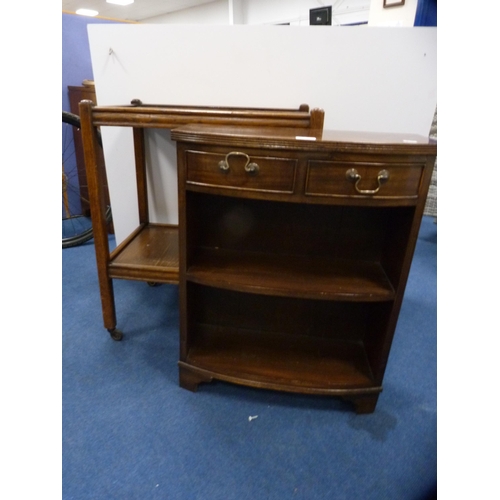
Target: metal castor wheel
{"points": [[115, 333]]}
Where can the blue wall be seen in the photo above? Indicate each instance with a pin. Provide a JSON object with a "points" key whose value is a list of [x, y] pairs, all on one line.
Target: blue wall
{"points": [[426, 14], [76, 63]]}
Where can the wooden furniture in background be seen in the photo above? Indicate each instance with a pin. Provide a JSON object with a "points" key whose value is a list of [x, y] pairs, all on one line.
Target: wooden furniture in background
{"points": [[295, 251], [151, 252], [76, 94]]}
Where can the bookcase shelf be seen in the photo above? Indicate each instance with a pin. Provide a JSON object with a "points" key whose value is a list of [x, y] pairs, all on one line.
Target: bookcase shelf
{"points": [[250, 358], [291, 275]]}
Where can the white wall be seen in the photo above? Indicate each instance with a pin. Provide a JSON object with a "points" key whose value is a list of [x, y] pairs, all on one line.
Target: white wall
{"points": [[236, 12], [393, 16], [211, 13], [295, 12]]}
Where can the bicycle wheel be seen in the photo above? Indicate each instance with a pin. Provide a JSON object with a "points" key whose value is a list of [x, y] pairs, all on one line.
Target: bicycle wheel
{"points": [[76, 221]]}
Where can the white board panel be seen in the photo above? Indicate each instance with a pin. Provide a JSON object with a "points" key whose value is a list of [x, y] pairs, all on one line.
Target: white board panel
{"points": [[366, 79]]}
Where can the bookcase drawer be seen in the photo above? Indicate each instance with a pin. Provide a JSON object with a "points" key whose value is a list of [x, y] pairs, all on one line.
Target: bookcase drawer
{"points": [[238, 171], [365, 179]]}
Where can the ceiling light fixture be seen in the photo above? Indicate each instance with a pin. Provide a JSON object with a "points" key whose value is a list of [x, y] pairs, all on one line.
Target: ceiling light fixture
{"points": [[120, 2], [87, 12]]}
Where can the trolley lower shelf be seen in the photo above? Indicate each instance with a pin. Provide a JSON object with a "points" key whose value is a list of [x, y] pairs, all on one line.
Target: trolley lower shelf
{"points": [[151, 253]]}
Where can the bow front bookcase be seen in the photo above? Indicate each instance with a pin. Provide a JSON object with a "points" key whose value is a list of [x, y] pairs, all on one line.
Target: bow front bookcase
{"points": [[295, 249]]}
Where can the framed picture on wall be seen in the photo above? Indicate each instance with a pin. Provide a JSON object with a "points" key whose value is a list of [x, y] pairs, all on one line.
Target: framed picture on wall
{"points": [[393, 3], [320, 16]]}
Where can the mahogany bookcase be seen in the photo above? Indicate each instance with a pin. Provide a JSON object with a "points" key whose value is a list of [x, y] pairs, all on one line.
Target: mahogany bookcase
{"points": [[296, 247]]}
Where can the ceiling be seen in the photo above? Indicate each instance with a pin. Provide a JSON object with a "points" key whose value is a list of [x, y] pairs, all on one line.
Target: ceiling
{"points": [[138, 11]]}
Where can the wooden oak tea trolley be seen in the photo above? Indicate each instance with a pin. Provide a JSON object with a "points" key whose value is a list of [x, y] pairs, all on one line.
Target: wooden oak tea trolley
{"points": [[295, 249], [151, 252]]}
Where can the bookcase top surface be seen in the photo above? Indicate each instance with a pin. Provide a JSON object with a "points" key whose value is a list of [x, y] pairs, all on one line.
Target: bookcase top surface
{"points": [[306, 139]]}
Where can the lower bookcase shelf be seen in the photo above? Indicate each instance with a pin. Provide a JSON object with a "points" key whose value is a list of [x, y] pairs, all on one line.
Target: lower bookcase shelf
{"points": [[293, 344], [280, 361]]}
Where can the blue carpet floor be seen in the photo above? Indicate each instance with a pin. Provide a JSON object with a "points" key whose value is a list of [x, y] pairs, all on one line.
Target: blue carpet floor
{"points": [[130, 432]]}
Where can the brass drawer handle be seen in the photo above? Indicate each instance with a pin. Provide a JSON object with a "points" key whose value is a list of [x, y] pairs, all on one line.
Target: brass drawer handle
{"points": [[353, 176], [224, 166], [250, 168]]}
